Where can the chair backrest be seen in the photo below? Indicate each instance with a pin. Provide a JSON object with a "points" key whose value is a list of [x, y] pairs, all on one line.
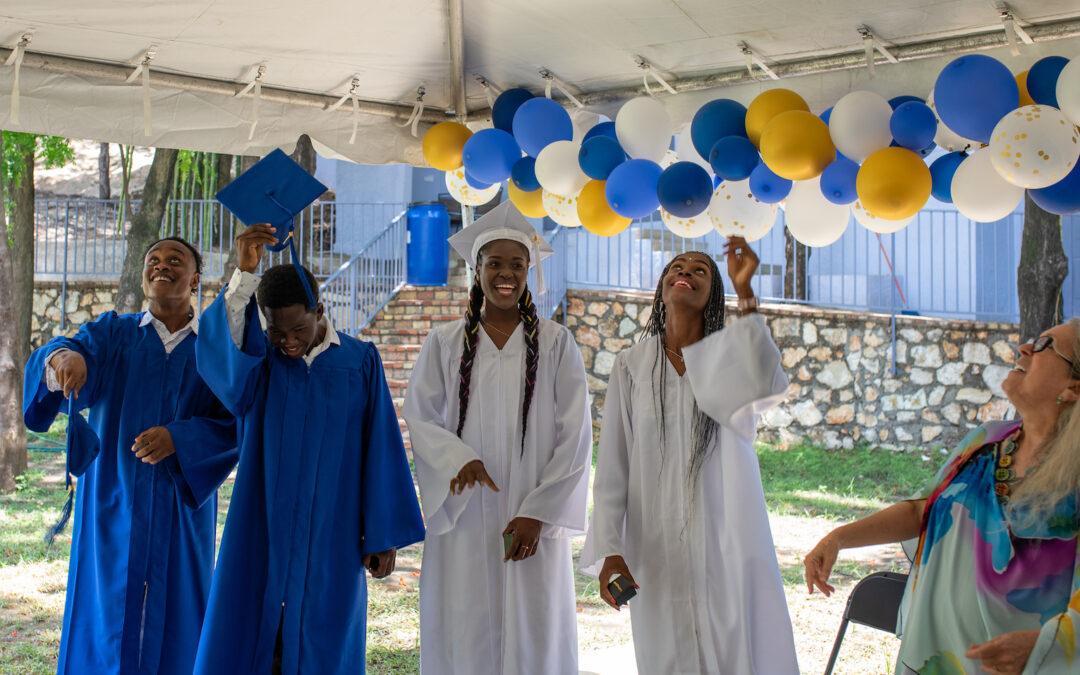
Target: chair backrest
{"points": [[875, 600]]}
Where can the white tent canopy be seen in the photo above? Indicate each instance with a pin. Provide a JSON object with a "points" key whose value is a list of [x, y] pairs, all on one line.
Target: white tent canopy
{"points": [[81, 54]]}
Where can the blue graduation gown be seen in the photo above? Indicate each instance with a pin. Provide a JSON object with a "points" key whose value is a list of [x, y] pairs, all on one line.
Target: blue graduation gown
{"points": [[323, 480], [142, 546]]}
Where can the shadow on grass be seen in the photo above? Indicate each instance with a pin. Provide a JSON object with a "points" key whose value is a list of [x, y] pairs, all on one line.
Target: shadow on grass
{"points": [[381, 660]]}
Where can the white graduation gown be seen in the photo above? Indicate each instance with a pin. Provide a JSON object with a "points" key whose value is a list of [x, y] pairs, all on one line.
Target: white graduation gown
{"points": [[711, 598], [478, 614]]}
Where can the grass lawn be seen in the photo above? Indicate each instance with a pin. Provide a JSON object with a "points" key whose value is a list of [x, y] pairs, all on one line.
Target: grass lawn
{"points": [[808, 489]]}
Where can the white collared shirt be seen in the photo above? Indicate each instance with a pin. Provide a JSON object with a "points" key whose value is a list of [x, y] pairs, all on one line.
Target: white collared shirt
{"points": [[238, 294], [168, 340]]}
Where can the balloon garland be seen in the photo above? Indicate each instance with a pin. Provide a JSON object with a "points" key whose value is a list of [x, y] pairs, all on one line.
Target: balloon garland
{"points": [[731, 165]]}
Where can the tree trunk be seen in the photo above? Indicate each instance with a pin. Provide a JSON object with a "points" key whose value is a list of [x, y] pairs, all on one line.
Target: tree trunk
{"points": [[224, 171], [145, 228], [1042, 271], [304, 154], [104, 189], [12, 432], [22, 249], [795, 259]]}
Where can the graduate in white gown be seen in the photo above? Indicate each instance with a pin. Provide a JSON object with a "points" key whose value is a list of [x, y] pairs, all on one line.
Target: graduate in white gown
{"points": [[678, 503], [498, 414]]}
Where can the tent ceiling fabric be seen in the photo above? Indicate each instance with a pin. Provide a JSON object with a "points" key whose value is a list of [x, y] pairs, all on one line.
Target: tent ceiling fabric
{"points": [[394, 47]]}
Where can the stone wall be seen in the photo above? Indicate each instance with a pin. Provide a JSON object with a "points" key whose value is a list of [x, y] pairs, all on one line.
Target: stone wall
{"points": [[844, 390], [85, 301]]}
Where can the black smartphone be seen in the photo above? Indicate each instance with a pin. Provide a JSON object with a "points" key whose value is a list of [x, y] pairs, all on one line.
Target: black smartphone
{"points": [[622, 590]]}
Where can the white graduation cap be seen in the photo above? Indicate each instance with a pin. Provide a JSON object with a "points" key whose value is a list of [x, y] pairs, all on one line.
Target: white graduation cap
{"points": [[503, 222]]}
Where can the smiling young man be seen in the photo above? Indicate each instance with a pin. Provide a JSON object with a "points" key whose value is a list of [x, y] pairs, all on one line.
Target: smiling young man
{"points": [[142, 544], [323, 490], [498, 414]]}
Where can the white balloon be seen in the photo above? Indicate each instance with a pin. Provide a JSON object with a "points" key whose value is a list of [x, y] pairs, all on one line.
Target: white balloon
{"points": [[735, 212], [583, 120], [1068, 90], [670, 157], [875, 224], [685, 150], [643, 128], [812, 219], [946, 137], [563, 210], [859, 124], [557, 168], [466, 194], [689, 228], [980, 193], [1034, 146]]}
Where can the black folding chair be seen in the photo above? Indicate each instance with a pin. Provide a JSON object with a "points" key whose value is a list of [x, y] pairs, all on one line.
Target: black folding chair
{"points": [[874, 602]]}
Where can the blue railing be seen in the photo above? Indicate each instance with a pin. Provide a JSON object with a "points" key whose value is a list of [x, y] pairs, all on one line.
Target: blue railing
{"points": [[554, 295], [365, 283]]}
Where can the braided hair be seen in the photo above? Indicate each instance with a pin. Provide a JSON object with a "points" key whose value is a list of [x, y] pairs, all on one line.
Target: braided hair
{"points": [[531, 327], [703, 429]]}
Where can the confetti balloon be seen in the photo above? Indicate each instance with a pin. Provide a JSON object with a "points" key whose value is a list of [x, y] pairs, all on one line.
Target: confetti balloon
{"points": [[876, 224], [1068, 90], [1034, 146], [458, 187], [688, 228], [563, 210], [735, 212]]}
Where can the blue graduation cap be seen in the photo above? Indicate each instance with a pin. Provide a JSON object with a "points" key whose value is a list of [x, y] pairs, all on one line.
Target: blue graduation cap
{"points": [[273, 191], [83, 447]]}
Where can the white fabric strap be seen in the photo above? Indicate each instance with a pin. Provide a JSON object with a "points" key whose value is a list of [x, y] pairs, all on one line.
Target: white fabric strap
{"points": [[868, 47], [16, 59], [752, 59], [1013, 30], [550, 80], [143, 70], [490, 90], [417, 112], [354, 87], [647, 70], [255, 88]]}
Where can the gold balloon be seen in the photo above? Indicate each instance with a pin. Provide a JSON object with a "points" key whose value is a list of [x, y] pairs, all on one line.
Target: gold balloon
{"points": [[768, 105], [443, 143], [893, 183], [595, 213], [531, 204], [796, 145], [1025, 97]]}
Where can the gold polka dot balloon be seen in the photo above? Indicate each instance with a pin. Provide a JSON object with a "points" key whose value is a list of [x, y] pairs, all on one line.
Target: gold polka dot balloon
{"points": [[563, 210], [735, 212], [689, 228], [1034, 146], [466, 194]]}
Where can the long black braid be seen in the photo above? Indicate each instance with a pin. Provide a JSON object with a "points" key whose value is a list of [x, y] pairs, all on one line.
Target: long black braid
{"points": [[531, 327], [703, 429]]}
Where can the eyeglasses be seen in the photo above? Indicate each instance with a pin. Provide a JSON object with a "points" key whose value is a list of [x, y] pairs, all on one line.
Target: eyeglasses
{"points": [[1044, 342]]}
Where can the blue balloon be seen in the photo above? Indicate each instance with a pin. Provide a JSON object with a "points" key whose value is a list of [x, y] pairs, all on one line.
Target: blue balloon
{"points": [[973, 93], [924, 153], [733, 158], [715, 120], [767, 187], [524, 174], [631, 188], [540, 122], [716, 180], [913, 125], [825, 115], [1063, 197], [684, 189], [599, 156], [489, 155], [1042, 79], [506, 106], [601, 129], [897, 101], [941, 175], [838, 181], [473, 182]]}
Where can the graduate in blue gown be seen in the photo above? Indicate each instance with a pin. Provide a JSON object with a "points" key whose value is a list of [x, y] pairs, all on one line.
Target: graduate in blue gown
{"points": [[142, 546], [323, 489]]}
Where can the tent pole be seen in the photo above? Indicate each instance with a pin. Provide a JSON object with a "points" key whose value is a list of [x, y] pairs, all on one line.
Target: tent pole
{"points": [[457, 57]]}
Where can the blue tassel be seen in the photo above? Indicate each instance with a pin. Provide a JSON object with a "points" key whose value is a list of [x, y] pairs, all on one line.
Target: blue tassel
{"points": [[65, 515]]}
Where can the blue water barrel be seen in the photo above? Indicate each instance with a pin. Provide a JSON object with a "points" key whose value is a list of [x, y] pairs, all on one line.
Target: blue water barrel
{"points": [[428, 251]]}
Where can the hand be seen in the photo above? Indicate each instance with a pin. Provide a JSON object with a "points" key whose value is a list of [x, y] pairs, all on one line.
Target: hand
{"points": [[470, 475], [526, 537], [1006, 654], [250, 243], [153, 445], [381, 565], [614, 566], [70, 367], [742, 262], [818, 564]]}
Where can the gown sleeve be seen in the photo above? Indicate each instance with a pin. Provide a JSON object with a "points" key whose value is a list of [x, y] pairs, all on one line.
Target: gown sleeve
{"points": [[559, 500], [391, 517], [232, 372], [97, 342], [1058, 647], [612, 482], [736, 375], [206, 453], [437, 452]]}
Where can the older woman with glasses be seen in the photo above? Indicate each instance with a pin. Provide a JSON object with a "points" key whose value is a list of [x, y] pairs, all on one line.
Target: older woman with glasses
{"points": [[995, 579]]}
